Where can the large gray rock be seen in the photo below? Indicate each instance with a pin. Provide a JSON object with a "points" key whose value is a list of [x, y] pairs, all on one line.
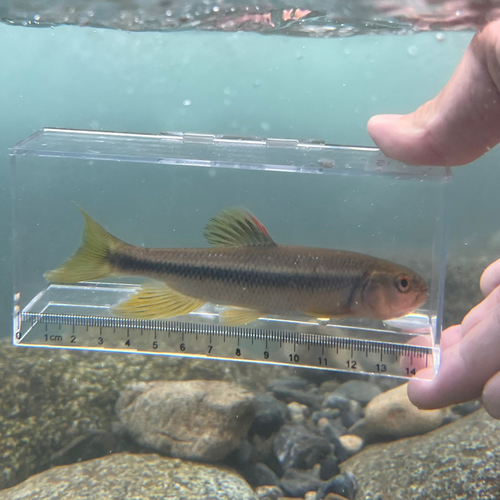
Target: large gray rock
{"points": [[458, 461], [196, 419], [132, 477]]}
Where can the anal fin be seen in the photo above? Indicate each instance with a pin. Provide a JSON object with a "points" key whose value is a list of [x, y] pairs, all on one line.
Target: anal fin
{"points": [[237, 316], [155, 302]]}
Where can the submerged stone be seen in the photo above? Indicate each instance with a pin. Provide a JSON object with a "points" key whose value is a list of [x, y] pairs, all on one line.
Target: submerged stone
{"points": [[195, 419], [392, 415], [270, 415], [458, 461], [133, 477], [359, 390], [298, 447]]}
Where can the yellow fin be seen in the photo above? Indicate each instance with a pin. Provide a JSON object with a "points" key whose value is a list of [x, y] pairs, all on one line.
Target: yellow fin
{"points": [[237, 316], [155, 302], [91, 260], [235, 227], [322, 319]]}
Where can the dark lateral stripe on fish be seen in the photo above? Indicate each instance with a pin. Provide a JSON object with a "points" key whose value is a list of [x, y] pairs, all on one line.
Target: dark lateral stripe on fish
{"points": [[274, 279]]}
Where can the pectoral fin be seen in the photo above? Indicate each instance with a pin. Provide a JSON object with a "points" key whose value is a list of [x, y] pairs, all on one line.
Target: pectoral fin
{"points": [[155, 302], [236, 316], [322, 319]]}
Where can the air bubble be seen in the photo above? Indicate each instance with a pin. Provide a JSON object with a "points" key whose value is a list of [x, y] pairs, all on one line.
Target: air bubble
{"points": [[413, 50], [186, 102]]}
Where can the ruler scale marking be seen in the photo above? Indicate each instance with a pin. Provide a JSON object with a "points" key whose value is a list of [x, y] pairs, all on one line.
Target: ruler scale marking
{"points": [[251, 344]]}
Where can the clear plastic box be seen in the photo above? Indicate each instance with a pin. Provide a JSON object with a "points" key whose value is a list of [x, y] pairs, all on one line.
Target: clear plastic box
{"points": [[160, 190]]}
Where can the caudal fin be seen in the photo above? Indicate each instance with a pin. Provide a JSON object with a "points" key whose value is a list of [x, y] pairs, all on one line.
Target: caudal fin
{"points": [[91, 260]]}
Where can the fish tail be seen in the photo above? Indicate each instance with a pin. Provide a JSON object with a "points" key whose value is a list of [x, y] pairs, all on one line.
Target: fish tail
{"points": [[92, 260]]}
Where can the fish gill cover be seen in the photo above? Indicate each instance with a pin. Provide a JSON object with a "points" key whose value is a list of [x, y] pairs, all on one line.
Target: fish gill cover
{"points": [[315, 18]]}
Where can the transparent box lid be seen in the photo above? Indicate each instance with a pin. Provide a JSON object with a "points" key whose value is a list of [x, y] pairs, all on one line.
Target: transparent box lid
{"points": [[149, 190]]}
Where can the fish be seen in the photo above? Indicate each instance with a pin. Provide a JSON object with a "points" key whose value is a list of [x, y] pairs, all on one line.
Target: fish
{"points": [[247, 271]]}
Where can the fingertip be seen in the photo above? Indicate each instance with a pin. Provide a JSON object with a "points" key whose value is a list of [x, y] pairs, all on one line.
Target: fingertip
{"points": [[490, 278], [379, 125], [420, 390], [491, 396]]}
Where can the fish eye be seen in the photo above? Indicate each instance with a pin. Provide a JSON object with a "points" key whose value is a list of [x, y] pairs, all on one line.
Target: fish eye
{"points": [[403, 283]]}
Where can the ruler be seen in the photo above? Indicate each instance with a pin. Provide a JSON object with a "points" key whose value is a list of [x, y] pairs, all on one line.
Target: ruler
{"points": [[198, 335]]}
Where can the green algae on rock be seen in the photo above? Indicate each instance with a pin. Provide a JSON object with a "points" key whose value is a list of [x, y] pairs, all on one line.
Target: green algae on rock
{"points": [[459, 461], [133, 477]]}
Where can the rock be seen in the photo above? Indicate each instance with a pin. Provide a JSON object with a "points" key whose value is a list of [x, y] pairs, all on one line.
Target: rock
{"points": [[55, 397], [289, 383], [196, 419], [351, 443], [340, 452], [329, 413], [86, 447], [335, 400], [329, 467], [327, 429], [295, 483], [310, 495], [344, 484], [296, 389], [297, 446], [259, 474], [298, 412], [458, 461], [268, 492], [360, 391], [391, 415], [262, 451], [467, 408], [329, 386], [353, 413], [270, 415], [132, 477], [303, 397], [334, 496]]}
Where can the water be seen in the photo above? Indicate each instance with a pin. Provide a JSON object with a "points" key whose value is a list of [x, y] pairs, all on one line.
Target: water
{"points": [[314, 18], [59, 408]]}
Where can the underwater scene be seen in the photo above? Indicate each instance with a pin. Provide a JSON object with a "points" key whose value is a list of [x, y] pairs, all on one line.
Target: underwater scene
{"points": [[215, 285]]}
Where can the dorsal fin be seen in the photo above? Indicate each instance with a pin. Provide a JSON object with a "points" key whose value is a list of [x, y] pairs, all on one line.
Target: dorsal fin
{"points": [[236, 227]]}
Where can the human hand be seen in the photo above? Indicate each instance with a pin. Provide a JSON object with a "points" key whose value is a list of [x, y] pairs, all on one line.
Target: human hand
{"points": [[457, 127], [461, 123], [470, 360]]}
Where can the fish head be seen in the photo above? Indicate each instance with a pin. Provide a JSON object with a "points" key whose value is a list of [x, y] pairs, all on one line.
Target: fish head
{"points": [[392, 293]]}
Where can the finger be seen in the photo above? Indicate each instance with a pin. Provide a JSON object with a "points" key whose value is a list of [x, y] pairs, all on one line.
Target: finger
{"points": [[491, 396], [490, 278], [481, 311], [461, 123], [449, 337], [465, 367]]}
